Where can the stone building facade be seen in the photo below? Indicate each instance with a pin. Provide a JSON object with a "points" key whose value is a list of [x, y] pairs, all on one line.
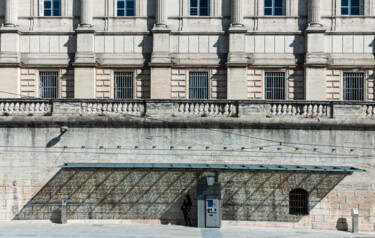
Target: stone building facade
{"points": [[280, 82], [313, 46]]}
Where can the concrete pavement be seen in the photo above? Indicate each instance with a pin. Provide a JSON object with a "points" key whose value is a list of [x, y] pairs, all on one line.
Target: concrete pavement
{"points": [[43, 230]]}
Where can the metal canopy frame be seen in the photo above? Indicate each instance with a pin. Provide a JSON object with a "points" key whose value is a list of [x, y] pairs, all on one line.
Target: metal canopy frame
{"points": [[243, 167]]}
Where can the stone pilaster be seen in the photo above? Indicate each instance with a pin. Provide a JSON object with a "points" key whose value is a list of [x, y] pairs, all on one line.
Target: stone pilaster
{"points": [[314, 13], [11, 13], [161, 13], [160, 59], [86, 13], [9, 45], [316, 59], [237, 17], [237, 61]]}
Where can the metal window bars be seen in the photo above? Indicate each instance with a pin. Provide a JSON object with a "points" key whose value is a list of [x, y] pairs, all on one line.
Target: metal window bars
{"points": [[353, 86], [48, 84], [298, 202], [124, 85], [275, 85], [198, 85]]}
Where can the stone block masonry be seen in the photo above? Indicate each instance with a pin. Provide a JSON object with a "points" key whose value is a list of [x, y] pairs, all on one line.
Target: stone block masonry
{"points": [[32, 185]]}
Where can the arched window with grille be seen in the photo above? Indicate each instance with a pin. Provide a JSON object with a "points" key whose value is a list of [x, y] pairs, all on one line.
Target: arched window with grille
{"points": [[298, 202]]}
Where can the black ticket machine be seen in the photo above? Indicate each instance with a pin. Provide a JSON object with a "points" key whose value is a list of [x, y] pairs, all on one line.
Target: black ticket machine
{"points": [[213, 212]]}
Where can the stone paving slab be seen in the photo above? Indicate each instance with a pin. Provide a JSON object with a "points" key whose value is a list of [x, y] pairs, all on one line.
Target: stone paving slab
{"points": [[46, 230]]}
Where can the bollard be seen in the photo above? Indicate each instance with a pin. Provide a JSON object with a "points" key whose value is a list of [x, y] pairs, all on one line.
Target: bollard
{"points": [[355, 215], [63, 212]]}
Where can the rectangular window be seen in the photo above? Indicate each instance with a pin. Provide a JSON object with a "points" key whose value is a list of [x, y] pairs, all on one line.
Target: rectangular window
{"points": [[50, 7], [273, 7], [125, 8], [353, 86], [48, 84], [275, 85], [199, 7], [123, 85], [198, 85], [351, 7]]}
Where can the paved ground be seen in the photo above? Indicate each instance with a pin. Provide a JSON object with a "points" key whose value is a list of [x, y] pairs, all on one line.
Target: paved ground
{"points": [[28, 230]]}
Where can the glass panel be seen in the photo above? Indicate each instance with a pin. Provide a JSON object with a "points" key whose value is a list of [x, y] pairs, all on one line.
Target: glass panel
{"points": [[56, 12], [344, 11], [120, 4], [193, 3], [203, 12], [279, 3], [130, 12], [354, 11], [278, 11], [355, 3], [268, 3], [268, 11], [344, 3], [204, 3], [47, 12], [130, 4], [47, 4], [120, 13]]}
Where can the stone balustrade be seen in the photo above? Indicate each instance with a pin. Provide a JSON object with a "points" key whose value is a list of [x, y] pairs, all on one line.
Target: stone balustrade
{"points": [[206, 108], [113, 107], [27, 107], [188, 108]]}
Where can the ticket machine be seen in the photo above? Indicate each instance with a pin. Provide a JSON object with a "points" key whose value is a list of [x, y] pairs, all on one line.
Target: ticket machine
{"points": [[212, 212]]}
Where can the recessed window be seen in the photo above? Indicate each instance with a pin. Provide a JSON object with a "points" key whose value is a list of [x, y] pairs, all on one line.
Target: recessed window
{"points": [[351, 7], [353, 86], [48, 84], [198, 85], [275, 85], [124, 85], [50, 7], [298, 202], [199, 7], [125, 8], [273, 7]]}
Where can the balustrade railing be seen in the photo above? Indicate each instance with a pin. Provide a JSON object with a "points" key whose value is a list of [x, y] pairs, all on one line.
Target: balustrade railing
{"points": [[24, 107], [188, 108], [123, 107], [309, 110], [206, 108]]}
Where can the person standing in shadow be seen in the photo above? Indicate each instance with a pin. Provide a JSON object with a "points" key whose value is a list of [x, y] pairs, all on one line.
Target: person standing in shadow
{"points": [[186, 205]]}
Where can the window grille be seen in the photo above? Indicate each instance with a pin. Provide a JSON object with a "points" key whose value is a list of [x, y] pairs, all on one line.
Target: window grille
{"points": [[275, 85], [353, 86], [48, 84], [273, 7], [125, 8], [298, 202], [124, 85], [199, 7], [198, 85], [50, 7], [351, 7]]}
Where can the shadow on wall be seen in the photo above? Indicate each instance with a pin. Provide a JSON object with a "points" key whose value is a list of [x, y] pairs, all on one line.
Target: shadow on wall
{"points": [[159, 194], [114, 194], [264, 196]]}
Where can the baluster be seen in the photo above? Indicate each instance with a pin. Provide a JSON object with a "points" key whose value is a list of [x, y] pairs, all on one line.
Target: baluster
{"points": [[11, 107], [196, 108], [373, 111], [125, 107], [320, 110], [206, 108], [315, 110], [226, 109], [290, 110], [130, 108], [216, 110], [234, 109], [181, 108], [279, 109], [368, 110], [114, 107], [17, 107], [212, 109], [120, 108], [273, 109], [201, 108]]}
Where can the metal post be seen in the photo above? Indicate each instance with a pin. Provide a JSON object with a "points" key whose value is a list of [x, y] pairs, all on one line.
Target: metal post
{"points": [[355, 215]]}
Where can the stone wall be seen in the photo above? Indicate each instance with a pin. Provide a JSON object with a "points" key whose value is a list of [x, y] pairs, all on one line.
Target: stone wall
{"points": [[29, 170]]}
